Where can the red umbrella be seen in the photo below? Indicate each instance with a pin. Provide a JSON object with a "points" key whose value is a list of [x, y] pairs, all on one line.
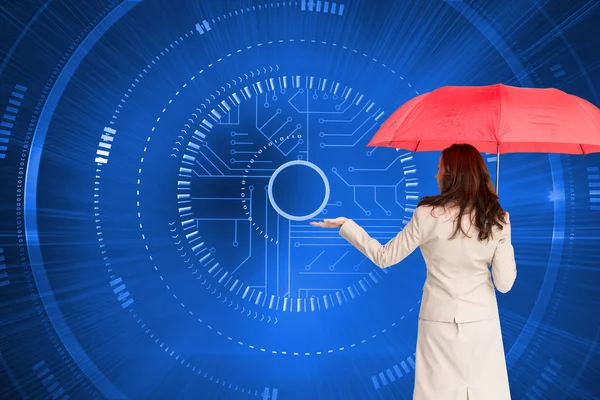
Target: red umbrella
{"points": [[495, 119]]}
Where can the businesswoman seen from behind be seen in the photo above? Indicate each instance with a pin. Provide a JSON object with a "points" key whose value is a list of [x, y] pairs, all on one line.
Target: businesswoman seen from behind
{"points": [[461, 232]]}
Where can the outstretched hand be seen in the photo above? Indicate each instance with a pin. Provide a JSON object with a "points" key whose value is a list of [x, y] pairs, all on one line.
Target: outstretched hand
{"points": [[330, 223]]}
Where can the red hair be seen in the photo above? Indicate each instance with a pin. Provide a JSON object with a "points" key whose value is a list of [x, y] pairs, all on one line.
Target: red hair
{"points": [[465, 183]]}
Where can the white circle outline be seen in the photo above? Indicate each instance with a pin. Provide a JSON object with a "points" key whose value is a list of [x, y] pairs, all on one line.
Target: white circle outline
{"points": [[306, 164]]}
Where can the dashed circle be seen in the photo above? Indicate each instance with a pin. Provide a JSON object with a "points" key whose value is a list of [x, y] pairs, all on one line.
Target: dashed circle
{"points": [[140, 171]]}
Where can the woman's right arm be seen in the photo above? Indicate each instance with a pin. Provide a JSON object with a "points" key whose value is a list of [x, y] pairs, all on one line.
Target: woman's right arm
{"points": [[504, 267]]}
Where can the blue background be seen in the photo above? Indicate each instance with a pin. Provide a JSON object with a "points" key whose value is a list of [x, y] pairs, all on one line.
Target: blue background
{"points": [[141, 256]]}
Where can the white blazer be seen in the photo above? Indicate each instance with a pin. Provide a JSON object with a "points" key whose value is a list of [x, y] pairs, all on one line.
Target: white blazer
{"points": [[459, 285]]}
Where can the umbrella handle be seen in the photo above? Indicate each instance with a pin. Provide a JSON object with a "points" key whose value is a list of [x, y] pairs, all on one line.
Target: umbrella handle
{"points": [[497, 167]]}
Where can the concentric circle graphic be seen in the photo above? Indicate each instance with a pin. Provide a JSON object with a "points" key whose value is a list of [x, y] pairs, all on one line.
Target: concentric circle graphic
{"points": [[162, 166]]}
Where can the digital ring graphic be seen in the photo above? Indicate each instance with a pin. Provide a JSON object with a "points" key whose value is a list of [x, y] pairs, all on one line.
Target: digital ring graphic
{"points": [[275, 319], [352, 106], [291, 164]]}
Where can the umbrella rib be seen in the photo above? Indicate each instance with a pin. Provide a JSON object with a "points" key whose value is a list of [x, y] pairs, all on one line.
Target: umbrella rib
{"points": [[581, 147], [418, 143], [499, 114]]}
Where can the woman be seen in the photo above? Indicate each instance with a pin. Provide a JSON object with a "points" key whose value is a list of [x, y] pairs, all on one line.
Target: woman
{"points": [[460, 232]]}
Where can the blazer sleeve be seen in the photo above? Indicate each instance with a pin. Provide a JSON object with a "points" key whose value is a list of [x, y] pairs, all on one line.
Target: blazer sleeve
{"points": [[393, 251], [504, 267]]}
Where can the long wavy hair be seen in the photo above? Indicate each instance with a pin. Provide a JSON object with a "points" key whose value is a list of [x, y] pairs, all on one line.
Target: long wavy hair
{"points": [[465, 183]]}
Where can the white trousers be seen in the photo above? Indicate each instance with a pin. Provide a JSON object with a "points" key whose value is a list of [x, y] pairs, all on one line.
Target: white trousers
{"points": [[460, 361]]}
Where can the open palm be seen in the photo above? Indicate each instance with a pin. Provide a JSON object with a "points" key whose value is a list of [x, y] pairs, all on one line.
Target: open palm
{"points": [[330, 223]]}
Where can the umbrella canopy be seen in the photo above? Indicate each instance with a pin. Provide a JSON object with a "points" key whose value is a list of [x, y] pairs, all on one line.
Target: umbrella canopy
{"points": [[495, 119]]}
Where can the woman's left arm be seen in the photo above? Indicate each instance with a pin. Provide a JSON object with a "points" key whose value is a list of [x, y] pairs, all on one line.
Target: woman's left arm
{"points": [[394, 251]]}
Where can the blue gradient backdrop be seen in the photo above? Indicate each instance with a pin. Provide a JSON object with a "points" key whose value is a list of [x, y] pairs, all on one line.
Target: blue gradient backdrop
{"points": [[155, 242]]}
